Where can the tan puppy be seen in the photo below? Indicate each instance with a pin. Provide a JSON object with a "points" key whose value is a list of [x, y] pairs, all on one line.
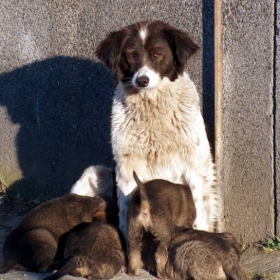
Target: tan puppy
{"points": [[33, 244], [158, 207], [203, 255]]}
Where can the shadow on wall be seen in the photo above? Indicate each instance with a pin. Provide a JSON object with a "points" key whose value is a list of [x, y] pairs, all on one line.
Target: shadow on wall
{"points": [[208, 90], [63, 107]]}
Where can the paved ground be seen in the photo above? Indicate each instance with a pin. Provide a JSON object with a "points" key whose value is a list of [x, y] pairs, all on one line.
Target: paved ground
{"points": [[257, 264]]}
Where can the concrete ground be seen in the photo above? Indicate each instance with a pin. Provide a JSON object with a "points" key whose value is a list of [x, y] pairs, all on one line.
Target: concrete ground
{"points": [[257, 264]]}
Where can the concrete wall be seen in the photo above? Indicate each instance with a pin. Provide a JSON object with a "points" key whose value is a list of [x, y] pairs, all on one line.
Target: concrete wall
{"points": [[55, 98], [248, 119], [277, 116]]}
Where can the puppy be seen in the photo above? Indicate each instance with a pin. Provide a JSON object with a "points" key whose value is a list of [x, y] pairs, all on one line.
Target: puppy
{"points": [[157, 207], [93, 251], [157, 125], [203, 255], [33, 244]]}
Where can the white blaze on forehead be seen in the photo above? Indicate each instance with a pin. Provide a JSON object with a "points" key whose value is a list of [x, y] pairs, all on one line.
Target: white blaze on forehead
{"points": [[154, 77], [143, 34]]}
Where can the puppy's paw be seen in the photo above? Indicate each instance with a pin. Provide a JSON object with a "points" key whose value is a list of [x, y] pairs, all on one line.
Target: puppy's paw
{"points": [[133, 272], [124, 269], [162, 275], [134, 268]]}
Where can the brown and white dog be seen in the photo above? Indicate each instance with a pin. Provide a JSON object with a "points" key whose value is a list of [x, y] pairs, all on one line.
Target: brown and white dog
{"points": [[157, 125]]}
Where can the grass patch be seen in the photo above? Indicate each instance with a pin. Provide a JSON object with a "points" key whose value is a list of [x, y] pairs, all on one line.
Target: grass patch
{"points": [[256, 276], [272, 244]]}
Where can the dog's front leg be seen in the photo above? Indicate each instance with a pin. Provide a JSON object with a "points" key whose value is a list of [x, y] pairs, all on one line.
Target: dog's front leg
{"points": [[123, 201]]}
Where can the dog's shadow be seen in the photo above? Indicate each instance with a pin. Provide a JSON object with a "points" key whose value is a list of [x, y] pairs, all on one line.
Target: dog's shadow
{"points": [[63, 108]]}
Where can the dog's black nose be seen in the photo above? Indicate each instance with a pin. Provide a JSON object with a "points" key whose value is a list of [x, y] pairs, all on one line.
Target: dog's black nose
{"points": [[142, 81]]}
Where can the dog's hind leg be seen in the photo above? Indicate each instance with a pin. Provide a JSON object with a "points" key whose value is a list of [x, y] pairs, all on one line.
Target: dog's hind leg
{"points": [[37, 249], [161, 257], [233, 272], [135, 232], [7, 266]]}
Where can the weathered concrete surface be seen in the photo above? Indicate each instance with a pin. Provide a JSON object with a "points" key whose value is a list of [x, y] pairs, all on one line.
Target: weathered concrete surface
{"points": [[247, 173], [256, 262], [55, 100], [18, 275], [277, 116], [261, 262]]}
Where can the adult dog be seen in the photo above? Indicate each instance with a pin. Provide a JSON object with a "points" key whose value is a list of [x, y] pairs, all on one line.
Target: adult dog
{"points": [[157, 126]]}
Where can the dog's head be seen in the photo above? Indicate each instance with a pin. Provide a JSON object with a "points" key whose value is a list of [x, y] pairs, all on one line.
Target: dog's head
{"points": [[143, 53]]}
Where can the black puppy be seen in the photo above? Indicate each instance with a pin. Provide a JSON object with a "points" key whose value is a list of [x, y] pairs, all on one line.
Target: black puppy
{"points": [[158, 207], [202, 255], [33, 244], [93, 251]]}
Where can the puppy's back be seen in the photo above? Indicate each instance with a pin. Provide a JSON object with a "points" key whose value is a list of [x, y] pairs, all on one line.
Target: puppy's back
{"points": [[163, 197], [61, 214], [93, 250], [204, 255]]}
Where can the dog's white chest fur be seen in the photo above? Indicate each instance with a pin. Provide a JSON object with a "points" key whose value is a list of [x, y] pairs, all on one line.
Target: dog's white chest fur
{"points": [[159, 133]]}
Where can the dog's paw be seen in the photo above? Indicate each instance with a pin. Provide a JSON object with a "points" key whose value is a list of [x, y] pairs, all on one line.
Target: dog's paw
{"points": [[124, 269], [133, 272], [162, 275]]}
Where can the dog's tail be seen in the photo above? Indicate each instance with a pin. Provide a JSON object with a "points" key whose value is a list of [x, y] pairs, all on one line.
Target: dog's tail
{"points": [[6, 267], [76, 266], [96, 180], [141, 186]]}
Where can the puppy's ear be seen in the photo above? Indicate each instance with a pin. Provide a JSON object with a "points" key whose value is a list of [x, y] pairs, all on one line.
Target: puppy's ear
{"points": [[183, 47], [109, 51]]}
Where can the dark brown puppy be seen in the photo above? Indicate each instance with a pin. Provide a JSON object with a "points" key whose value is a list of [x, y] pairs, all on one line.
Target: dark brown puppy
{"points": [[202, 255], [158, 207], [93, 251], [33, 244]]}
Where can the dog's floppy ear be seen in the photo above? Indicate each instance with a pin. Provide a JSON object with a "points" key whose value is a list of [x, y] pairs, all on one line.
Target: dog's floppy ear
{"points": [[109, 51], [183, 47]]}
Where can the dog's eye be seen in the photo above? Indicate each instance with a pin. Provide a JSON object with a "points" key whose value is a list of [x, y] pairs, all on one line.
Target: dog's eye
{"points": [[157, 54], [131, 56]]}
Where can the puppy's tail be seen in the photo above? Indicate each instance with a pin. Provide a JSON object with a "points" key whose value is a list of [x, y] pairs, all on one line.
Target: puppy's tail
{"points": [[141, 186], [6, 267], [96, 180], [76, 266]]}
